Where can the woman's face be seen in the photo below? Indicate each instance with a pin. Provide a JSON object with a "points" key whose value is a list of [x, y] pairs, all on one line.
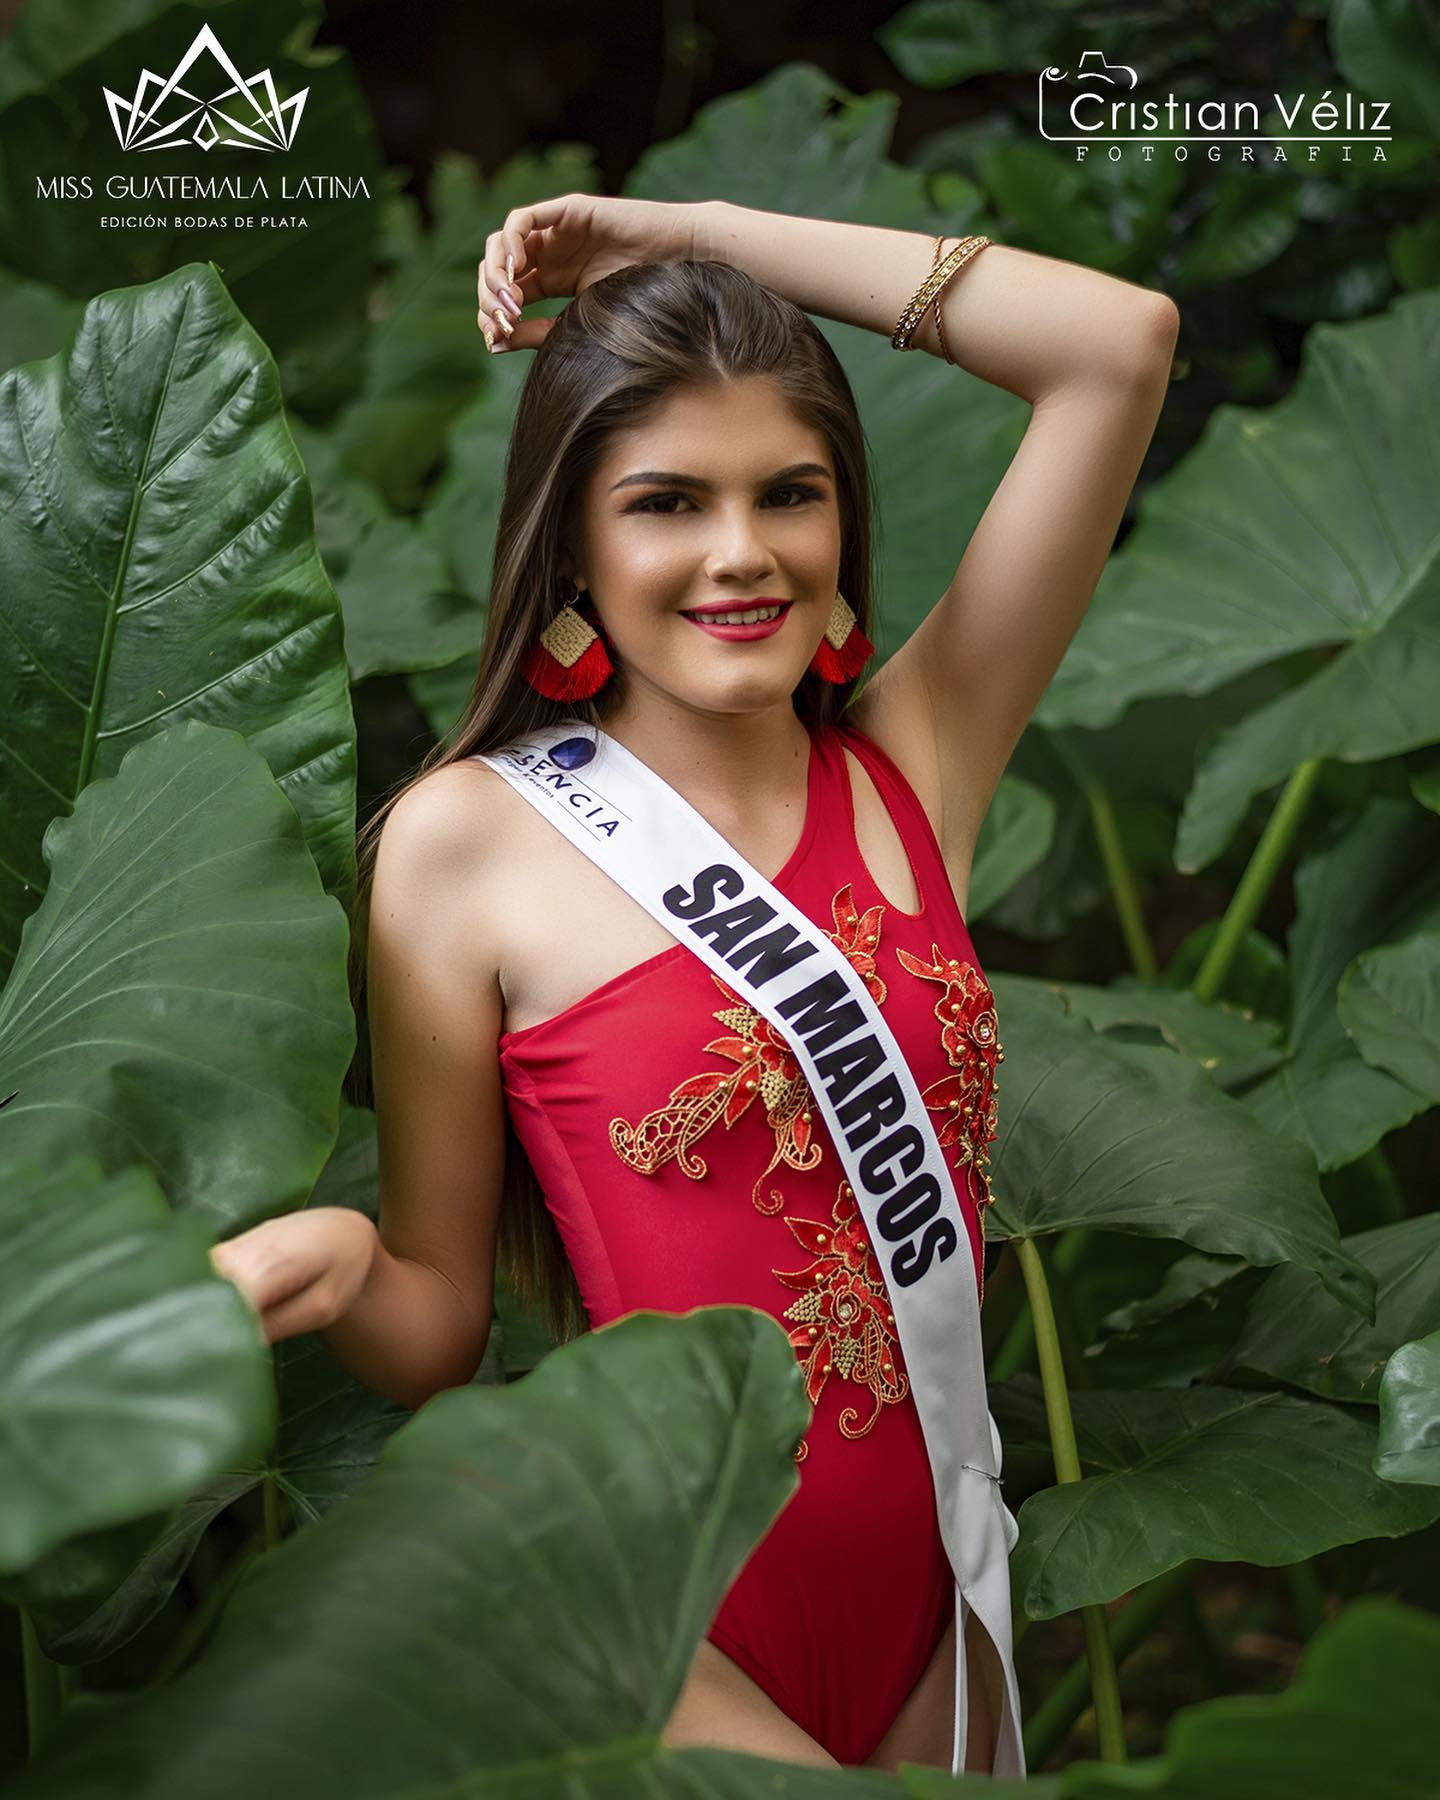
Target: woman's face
{"points": [[723, 494]]}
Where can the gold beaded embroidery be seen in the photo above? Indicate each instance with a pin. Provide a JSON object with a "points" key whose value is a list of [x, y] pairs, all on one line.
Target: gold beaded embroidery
{"points": [[765, 1068], [843, 1321], [966, 1101]]}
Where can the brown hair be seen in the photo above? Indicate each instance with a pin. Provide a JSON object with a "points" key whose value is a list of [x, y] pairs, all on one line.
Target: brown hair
{"points": [[612, 357]]}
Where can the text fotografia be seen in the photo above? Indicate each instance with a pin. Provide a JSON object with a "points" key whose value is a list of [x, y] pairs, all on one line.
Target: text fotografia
{"points": [[204, 187]]}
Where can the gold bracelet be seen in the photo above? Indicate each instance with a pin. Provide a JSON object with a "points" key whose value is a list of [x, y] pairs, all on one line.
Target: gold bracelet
{"points": [[939, 315], [927, 294]]}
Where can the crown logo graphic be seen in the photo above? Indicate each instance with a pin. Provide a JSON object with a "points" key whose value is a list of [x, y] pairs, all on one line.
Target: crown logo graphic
{"points": [[245, 114]]}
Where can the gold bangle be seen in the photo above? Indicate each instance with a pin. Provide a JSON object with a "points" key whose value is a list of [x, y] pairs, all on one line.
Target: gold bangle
{"points": [[927, 294], [939, 315]]}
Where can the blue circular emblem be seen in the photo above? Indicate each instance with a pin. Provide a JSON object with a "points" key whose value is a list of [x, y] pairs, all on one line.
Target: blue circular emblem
{"points": [[573, 753]]}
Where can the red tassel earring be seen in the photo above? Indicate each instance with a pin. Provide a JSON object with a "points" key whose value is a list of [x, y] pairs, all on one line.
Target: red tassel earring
{"points": [[844, 650], [569, 662]]}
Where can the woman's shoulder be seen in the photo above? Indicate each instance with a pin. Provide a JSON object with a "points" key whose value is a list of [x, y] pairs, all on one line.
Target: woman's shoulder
{"points": [[452, 824]]}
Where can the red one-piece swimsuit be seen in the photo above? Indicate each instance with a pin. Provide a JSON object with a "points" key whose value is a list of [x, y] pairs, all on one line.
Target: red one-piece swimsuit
{"points": [[685, 1164]]}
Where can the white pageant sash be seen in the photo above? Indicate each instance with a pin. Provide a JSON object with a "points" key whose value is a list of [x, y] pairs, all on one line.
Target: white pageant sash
{"points": [[674, 863]]}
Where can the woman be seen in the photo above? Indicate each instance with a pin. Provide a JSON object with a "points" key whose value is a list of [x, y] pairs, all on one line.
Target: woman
{"points": [[685, 446]]}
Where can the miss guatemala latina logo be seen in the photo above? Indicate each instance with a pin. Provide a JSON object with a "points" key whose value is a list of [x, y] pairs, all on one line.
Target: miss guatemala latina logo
{"points": [[245, 114]]}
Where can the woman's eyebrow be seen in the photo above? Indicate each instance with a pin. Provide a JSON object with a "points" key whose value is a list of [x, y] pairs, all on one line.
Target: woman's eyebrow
{"points": [[670, 478]]}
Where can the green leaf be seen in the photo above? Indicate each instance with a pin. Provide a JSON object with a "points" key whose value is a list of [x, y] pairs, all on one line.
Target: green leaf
{"points": [[796, 142], [509, 1604], [180, 996], [1178, 1334], [1308, 524], [1052, 203], [1120, 1137], [132, 1371], [1389, 1003], [1214, 1035], [936, 43], [157, 560], [1409, 1448], [1215, 1473], [401, 613], [465, 502], [1391, 50], [1296, 1334], [1015, 837], [35, 319], [1251, 220], [92, 1595], [425, 355], [1377, 697], [1373, 884]]}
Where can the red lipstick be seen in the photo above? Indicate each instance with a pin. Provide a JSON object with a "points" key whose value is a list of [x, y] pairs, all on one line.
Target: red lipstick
{"points": [[760, 628]]}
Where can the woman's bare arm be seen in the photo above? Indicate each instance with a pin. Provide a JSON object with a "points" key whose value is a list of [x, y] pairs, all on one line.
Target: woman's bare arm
{"points": [[422, 1320]]}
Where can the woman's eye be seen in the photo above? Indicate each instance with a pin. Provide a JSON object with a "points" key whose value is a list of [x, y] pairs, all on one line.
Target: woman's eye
{"points": [[655, 502]]}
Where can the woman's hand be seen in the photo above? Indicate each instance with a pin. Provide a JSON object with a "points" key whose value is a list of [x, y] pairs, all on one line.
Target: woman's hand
{"points": [[560, 247], [303, 1271]]}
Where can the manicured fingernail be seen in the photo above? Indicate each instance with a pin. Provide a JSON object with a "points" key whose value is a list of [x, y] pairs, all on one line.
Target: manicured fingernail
{"points": [[510, 267], [508, 299], [502, 321]]}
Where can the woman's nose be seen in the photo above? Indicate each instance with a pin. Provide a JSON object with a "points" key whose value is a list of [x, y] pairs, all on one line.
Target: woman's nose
{"points": [[740, 548]]}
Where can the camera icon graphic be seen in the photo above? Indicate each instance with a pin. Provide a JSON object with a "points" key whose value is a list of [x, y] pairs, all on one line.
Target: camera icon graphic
{"points": [[1093, 73]]}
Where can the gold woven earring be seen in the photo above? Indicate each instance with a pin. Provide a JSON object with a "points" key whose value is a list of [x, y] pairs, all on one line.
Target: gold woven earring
{"points": [[844, 650], [569, 662]]}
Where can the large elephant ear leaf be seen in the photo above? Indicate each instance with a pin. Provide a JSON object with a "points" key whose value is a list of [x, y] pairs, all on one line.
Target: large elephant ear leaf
{"points": [[132, 1372], [1295, 1334], [180, 997], [1370, 886], [1217, 1473], [1109, 1136], [1308, 525], [157, 560], [509, 1605]]}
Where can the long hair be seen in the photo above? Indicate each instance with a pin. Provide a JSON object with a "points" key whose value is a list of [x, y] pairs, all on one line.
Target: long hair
{"points": [[616, 353]]}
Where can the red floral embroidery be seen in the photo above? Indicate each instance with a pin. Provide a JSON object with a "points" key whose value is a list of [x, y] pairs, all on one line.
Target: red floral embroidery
{"points": [[970, 1038], [843, 1317], [765, 1068]]}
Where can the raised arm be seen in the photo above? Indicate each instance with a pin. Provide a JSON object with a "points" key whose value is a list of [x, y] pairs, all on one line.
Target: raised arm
{"points": [[1092, 356]]}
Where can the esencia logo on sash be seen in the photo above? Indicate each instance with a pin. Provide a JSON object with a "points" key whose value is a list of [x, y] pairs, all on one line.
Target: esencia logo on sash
{"points": [[547, 771], [855, 1070]]}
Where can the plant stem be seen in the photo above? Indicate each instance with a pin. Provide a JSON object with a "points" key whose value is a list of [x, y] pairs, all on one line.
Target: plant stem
{"points": [[1051, 1722], [1018, 1343], [48, 1685], [1122, 880], [1258, 879], [1104, 1685]]}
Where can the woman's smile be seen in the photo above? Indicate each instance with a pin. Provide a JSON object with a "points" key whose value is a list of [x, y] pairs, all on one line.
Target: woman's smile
{"points": [[742, 623]]}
